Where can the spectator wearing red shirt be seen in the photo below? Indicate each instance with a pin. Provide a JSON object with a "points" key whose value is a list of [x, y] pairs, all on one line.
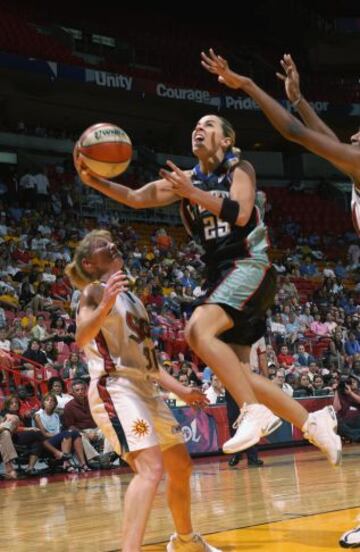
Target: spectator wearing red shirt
{"points": [[284, 357], [59, 290]]}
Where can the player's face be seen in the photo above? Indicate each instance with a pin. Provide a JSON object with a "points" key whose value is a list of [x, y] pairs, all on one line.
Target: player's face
{"points": [[208, 137], [105, 255], [355, 139]]}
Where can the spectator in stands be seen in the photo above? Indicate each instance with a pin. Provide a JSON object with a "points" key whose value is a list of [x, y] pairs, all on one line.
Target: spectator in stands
{"points": [[319, 326], [42, 300], [304, 387], [57, 387], [60, 290], [29, 437], [26, 295], [163, 240], [29, 403], [216, 390], [8, 424], [340, 270], [292, 329], [40, 331], [77, 416], [354, 255], [20, 341], [319, 386], [290, 289], [28, 320], [308, 268], [2, 318], [330, 322], [284, 357], [302, 358], [280, 381], [352, 345], [347, 406], [277, 328], [5, 343], [75, 368], [61, 332], [34, 353], [48, 422]]}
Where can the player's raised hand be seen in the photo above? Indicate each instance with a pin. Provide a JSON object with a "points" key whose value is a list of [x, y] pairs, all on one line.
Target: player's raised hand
{"points": [[85, 175], [219, 66], [117, 283], [180, 181], [290, 77]]}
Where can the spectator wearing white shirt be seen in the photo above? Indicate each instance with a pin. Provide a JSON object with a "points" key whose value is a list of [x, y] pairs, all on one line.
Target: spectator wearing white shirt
{"points": [[5, 344], [258, 359], [215, 390], [47, 276]]}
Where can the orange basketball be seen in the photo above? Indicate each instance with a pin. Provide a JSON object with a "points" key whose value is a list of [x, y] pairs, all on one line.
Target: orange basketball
{"points": [[105, 149]]}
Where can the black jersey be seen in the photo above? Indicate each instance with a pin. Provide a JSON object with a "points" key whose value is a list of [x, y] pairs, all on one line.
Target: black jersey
{"points": [[220, 239]]}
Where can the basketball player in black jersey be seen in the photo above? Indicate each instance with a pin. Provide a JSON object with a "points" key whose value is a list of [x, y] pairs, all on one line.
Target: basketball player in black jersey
{"points": [[223, 212]]}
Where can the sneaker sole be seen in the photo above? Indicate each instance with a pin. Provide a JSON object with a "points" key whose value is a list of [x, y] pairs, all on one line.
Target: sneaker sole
{"points": [[248, 444], [251, 442]]}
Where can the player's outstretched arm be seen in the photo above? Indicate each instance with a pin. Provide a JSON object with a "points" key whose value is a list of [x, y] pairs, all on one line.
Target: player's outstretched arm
{"points": [[291, 80], [344, 156], [154, 194]]}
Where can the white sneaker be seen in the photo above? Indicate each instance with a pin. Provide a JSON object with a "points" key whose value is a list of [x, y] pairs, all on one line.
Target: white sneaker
{"points": [[351, 539], [197, 544], [320, 429], [255, 421]]}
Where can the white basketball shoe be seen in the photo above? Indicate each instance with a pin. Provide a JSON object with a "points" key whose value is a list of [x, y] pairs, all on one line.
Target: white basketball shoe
{"points": [[197, 544], [255, 421], [320, 429], [351, 539]]}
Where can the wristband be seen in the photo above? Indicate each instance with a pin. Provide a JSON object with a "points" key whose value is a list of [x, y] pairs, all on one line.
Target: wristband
{"points": [[229, 210]]}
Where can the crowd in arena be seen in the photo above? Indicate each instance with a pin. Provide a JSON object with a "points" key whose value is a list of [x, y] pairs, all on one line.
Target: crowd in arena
{"points": [[313, 329]]}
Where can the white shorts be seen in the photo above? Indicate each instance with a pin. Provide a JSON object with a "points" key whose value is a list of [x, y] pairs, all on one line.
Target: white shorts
{"points": [[131, 415]]}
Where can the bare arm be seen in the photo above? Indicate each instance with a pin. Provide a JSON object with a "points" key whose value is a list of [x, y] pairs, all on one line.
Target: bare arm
{"points": [[190, 395], [154, 194], [242, 190], [95, 303], [343, 156], [40, 426], [291, 79]]}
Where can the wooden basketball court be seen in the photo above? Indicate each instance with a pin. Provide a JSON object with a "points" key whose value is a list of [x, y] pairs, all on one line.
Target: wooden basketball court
{"points": [[296, 502]]}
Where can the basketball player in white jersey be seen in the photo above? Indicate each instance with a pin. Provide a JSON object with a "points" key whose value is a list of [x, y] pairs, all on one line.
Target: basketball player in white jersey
{"points": [[113, 330], [315, 135]]}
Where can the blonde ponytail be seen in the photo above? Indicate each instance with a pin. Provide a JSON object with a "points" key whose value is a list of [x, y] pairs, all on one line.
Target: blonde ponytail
{"points": [[75, 270]]}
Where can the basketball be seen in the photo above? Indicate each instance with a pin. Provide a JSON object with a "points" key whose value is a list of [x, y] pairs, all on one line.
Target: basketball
{"points": [[105, 149]]}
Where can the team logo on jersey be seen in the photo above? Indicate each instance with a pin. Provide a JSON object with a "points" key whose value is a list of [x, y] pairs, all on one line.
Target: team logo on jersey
{"points": [[140, 428]]}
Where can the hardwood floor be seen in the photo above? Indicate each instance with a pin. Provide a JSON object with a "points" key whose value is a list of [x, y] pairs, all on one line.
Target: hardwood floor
{"points": [[295, 502]]}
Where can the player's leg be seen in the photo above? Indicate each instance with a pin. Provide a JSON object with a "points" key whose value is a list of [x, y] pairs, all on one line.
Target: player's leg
{"points": [[178, 467], [318, 427], [206, 324], [120, 409], [148, 467]]}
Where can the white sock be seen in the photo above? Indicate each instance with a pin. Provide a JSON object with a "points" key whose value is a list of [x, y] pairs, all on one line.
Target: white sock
{"points": [[186, 538]]}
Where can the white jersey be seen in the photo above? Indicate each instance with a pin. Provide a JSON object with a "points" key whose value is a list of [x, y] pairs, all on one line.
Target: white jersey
{"points": [[123, 347], [355, 208]]}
